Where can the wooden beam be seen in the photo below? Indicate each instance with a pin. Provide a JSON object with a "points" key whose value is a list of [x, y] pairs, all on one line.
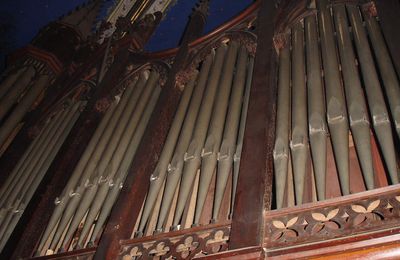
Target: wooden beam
{"points": [[255, 180]]}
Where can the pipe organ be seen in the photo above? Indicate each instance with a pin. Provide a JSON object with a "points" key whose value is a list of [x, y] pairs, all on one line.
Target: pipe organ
{"points": [[337, 88], [274, 136]]}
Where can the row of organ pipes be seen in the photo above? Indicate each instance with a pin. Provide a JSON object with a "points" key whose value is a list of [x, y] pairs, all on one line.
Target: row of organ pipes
{"points": [[29, 171], [204, 143], [18, 92], [206, 134], [335, 77], [94, 185]]}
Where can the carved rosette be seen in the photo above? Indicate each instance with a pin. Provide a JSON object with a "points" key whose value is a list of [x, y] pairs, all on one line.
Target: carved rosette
{"points": [[369, 9], [178, 245], [367, 214]]}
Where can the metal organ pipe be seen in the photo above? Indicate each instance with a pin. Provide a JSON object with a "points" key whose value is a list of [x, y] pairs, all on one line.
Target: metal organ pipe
{"points": [[176, 166], [109, 191], [299, 140], [243, 117], [317, 125], [387, 71], [37, 174], [16, 90], [356, 106], [9, 81], [74, 178], [228, 146], [281, 148], [213, 141], [335, 101], [158, 177], [112, 155], [376, 102], [26, 103], [193, 154], [88, 186]]}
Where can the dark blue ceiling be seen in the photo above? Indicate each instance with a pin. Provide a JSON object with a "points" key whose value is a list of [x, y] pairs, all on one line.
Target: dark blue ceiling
{"points": [[20, 20]]}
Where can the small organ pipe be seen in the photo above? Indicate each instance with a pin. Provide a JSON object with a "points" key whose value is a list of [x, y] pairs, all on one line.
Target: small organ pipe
{"points": [[316, 106], [176, 165], [9, 81], [243, 117], [74, 177], [193, 154], [228, 145], [299, 141], [387, 71], [19, 112], [376, 102], [159, 174], [281, 148], [335, 101], [12, 96], [356, 106]]}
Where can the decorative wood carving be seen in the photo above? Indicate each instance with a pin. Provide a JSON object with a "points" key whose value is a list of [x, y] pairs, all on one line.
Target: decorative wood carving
{"points": [[337, 218], [184, 244]]}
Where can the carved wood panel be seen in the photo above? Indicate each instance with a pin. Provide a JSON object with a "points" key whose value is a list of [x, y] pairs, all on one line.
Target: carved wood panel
{"points": [[337, 218]]}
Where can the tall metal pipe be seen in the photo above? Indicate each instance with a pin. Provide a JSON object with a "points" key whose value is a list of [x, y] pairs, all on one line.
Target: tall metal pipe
{"points": [[112, 155], [193, 155], [105, 148], [317, 126], [356, 106], [160, 172], [228, 146], [105, 198], [74, 178], [32, 161], [387, 71], [177, 161], [335, 101], [299, 140], [281, 148], [9, 81], [93, 152], [32, 172], [16, 173], [213, 142], [19, 112], [376, 102], [239, 143], [17, 88], [26, 197]]}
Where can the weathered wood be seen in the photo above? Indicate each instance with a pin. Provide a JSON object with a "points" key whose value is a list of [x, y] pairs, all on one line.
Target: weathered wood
{"points": [[256, 169]]}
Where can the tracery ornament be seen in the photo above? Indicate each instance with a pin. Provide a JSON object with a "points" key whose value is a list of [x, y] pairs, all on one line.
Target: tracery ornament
{"points": [[178, 245], [337, 218]]}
